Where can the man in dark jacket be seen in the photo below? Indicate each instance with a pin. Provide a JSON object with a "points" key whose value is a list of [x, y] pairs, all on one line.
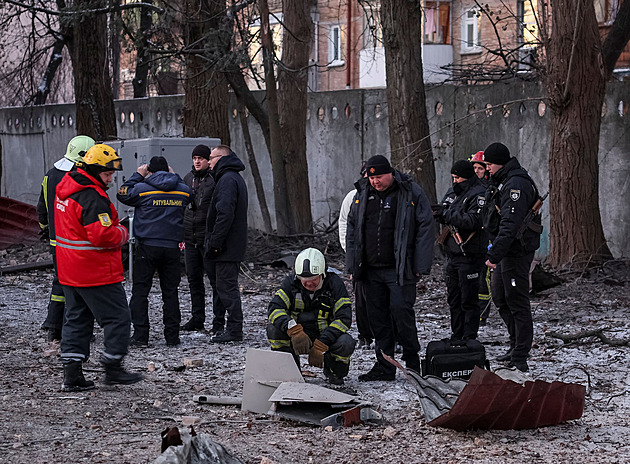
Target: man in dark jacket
{"points": [[159, 197], [200, 180], [77, 147], [89, 238], [465, 247], [226, 240], [389, 245], [311, 314], [511, 195]]}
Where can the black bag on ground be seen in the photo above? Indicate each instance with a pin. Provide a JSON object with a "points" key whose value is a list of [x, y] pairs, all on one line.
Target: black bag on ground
{"points": [[446, 360]]}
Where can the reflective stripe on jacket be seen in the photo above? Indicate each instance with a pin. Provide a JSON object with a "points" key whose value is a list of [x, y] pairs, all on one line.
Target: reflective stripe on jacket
{"points": [[89, 236], [325, 314]]}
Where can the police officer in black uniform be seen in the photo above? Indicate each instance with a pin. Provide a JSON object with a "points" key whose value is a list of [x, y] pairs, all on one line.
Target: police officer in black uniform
{"points": [[465, 246], [510, 197]]}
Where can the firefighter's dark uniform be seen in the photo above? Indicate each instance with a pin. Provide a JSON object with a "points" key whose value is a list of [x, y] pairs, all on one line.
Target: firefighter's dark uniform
{"points": [[463, 270], [509, 198], [325, 314], [159, 201], [46, 215]]}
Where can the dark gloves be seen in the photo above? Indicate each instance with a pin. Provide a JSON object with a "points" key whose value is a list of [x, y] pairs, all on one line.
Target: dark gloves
{"points": [[438, 212], [300, 341], [316, 355]]}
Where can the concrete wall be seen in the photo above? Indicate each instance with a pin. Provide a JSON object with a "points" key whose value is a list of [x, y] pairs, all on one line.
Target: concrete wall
{"points": [[344, 128]]}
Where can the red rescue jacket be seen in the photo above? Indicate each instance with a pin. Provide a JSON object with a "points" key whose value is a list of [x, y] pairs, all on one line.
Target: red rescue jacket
{"points": [[89, 235]]}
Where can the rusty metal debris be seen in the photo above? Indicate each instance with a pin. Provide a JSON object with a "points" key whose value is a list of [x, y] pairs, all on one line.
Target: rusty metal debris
{"points": [[503, 400], [18, 223]]}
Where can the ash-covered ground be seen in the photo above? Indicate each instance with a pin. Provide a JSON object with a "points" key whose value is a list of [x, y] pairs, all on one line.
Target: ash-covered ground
{"points": [[122, 424]]}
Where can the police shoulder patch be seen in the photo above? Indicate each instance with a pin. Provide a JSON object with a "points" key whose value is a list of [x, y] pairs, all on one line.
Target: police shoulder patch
{"points": [[105, 219], [123, 190], [515, 194]]}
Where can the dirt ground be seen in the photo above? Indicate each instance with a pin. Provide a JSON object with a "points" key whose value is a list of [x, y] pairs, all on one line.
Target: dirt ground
{"points": [[122, 424]]}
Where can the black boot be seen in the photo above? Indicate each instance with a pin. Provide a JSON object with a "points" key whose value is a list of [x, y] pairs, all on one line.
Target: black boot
{"points": [[115, 373], [73, 379]]}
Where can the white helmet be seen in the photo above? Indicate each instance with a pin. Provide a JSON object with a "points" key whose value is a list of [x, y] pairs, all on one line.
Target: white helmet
{"points": [[310, 263]]}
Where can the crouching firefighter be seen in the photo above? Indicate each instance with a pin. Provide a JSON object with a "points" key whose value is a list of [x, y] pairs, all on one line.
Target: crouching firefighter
{"points": [[89, 240], [311, 314]]}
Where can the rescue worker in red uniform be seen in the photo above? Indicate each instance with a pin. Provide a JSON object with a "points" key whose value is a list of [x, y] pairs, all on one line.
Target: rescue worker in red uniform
{"points": [[89, 239], [311, 314]]}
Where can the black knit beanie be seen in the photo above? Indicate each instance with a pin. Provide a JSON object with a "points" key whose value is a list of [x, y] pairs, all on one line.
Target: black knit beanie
{"points": [[463, 168], [201, 150], [378, 165], [158, 163], [496, 153]]}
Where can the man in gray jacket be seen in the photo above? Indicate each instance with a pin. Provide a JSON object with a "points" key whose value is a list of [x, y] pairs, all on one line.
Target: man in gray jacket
{"points": [[389, 245]]}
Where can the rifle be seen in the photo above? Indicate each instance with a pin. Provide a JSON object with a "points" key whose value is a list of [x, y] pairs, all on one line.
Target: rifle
{"points": [[458, 239], [529, 218]]}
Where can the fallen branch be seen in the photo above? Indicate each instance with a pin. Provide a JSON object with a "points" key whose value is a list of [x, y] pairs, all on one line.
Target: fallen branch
{"points": [[598, 333]]}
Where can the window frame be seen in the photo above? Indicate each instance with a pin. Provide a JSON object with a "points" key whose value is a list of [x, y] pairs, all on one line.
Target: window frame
{"points": [[475, 22], [335, 49]]}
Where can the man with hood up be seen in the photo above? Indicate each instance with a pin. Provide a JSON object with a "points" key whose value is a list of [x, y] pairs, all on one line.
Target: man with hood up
{"points": [[226, 240], [159, 197], [77, 147]]}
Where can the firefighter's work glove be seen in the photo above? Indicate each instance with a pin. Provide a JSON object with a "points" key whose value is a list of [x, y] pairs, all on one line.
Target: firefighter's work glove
{"points": [[300, 341], [316, 355]]}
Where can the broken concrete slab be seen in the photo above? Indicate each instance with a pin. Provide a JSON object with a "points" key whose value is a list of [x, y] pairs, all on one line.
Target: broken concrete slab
{"points": [[264, 371]]}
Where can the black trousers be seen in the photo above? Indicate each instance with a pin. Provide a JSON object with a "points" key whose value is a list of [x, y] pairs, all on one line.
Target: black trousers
{"points": [[510, 293], [462, 285], [336, 359], [108, 305], [226, 297], [390, 304], [57, 302], [196, 266], [363, 322], [146, 261]]}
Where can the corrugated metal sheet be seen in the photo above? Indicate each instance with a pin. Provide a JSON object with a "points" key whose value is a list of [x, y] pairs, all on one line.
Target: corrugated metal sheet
{"points": [[491, 402], [18, 223]]}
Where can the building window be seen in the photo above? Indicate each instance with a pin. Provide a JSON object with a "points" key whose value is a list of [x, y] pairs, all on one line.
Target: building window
{"points": [[334, 47], [437, 22], [471, 37]]}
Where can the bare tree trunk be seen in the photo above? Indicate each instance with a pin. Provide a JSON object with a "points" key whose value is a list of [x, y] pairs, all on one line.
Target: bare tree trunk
{"points": [[255, 108], [253, 164], [92, 82], [53, 64], [284, 221], [143, 56], [207, 97], [292, 89], [406, 101], [576, 84]]}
